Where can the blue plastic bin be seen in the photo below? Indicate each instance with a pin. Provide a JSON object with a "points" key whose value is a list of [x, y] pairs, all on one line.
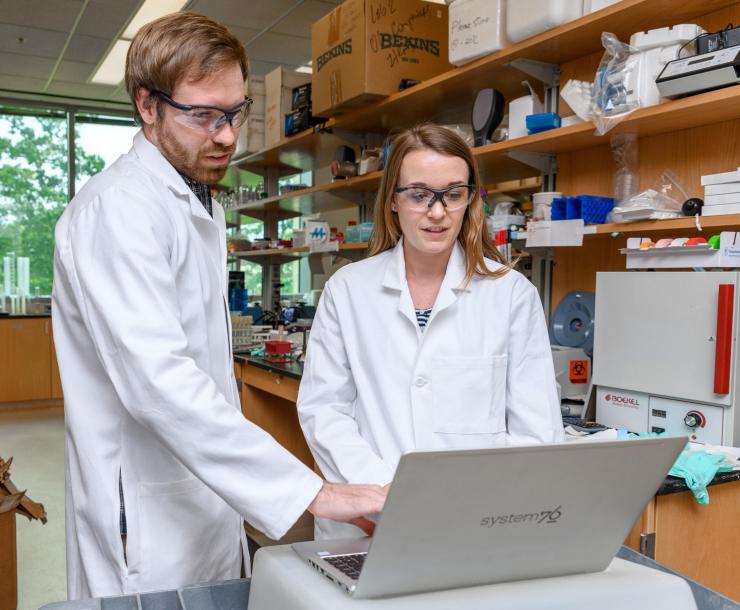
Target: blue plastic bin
{"points": [[591, 208]]}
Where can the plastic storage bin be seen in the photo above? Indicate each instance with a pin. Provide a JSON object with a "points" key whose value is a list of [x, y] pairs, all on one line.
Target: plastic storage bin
{"points": [[525, 19], [591, 208], [352, 234], [477, 28], [366, 231]]}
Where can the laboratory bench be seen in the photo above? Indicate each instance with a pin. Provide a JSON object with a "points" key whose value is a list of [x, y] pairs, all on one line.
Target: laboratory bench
{"points": [[700, 542]]}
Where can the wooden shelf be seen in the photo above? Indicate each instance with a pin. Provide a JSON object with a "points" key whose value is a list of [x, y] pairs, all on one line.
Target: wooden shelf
{"points": [[286, 255], [648, 227], [694, 111], [459, 86], [531, 185], [321, 198], [493, 159]]}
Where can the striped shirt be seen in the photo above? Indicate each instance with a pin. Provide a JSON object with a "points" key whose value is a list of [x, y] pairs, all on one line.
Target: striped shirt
{"points": [[422, 317], [201, 191]]}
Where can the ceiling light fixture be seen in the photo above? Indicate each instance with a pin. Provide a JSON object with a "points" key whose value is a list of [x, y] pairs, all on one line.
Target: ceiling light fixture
{"points": [[110, 70]]}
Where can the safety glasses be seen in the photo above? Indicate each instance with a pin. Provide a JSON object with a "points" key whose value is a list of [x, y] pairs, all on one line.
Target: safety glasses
{"points": [[208, 119], [421, 198]]}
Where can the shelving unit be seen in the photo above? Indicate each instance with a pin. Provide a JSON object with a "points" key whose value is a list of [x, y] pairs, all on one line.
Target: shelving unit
{"points": [[494, 159], [273, 255], [319, 198], [423, 102], [579, 156]]}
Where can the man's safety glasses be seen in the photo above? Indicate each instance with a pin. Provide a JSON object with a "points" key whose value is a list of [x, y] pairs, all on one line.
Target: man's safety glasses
{"points": [[208, 119], [421, 198]]}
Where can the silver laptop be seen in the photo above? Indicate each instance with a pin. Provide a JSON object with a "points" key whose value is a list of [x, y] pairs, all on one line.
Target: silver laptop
{"points": [[465, 518]]}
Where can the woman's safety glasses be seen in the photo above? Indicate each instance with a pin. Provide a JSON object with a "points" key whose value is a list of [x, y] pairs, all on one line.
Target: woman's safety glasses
{"points": [[421, 198], [208, 119]]}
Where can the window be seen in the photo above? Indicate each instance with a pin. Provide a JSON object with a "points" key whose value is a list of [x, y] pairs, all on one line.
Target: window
{"points": [[35, 177], [99, 137]]}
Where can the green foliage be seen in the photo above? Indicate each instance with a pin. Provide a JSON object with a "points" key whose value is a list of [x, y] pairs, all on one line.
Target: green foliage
{"points": [[34, 176]]}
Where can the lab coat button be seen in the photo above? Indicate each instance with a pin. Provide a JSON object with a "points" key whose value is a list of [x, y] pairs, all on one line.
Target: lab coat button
{"points": [[420, 382]]}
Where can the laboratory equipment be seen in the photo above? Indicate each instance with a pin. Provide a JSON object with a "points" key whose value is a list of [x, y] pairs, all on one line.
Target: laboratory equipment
{"points": [[572, 324], [665, 353], [520, 108], [700, 73], [488, 111]]}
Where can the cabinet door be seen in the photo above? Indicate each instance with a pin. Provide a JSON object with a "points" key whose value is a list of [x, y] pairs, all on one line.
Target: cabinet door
{"points": [[25, 360], [56, 381], [656, 333]]}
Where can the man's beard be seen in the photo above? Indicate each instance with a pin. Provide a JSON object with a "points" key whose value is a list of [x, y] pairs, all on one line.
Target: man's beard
{"points": [[186, 161]]}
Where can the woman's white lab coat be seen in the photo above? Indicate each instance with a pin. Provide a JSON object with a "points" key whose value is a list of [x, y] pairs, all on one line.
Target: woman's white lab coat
{"points": [[375, 387], [142, 334]]}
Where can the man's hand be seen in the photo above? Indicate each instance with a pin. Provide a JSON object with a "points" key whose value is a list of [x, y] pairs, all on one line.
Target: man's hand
{"points": [[349, 503]]}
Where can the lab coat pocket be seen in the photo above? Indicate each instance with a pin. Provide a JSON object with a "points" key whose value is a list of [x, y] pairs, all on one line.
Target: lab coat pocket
{"points": [[175, 528], [469, 395]]}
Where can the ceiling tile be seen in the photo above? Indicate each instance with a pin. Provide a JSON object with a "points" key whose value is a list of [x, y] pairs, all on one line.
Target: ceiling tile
{"points": [[105, 20], [21, 83], [12, 64], [252, 15], [42, 43], [261, 67], [280, 48], [74, 71], [56, 15], [94, 92], [243, 34], [298, 23], [121, 96], [86, 49]]}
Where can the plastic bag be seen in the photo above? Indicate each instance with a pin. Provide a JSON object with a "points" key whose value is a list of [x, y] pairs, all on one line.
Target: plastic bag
{"points": [[614, 95], [664, 200], [465, 131], [626, 179]]}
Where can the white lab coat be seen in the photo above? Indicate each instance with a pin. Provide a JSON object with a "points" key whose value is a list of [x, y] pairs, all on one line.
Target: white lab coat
{"points": [[375, 387], [143, 340]]}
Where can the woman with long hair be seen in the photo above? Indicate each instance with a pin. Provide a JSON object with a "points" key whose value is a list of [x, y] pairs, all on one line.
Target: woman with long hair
{"points": [[431, 342]]}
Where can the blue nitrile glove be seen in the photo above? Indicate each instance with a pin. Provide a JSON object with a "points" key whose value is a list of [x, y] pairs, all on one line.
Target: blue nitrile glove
{"points": [[698, 469]]}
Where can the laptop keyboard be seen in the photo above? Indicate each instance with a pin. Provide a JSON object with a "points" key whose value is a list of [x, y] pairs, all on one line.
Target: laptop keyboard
{"points": [[349, 565]]}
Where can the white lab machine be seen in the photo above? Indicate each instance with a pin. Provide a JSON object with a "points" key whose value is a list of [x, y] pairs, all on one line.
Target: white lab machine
{"points": [[572, 371], [655, 48], [704, 72], [665, 353]]}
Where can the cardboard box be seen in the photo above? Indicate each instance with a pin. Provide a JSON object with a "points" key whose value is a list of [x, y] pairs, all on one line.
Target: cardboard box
{"points": [[12, 501], [255, 85], [364, 48], [251, 135], [278, 101], [8, 554]]}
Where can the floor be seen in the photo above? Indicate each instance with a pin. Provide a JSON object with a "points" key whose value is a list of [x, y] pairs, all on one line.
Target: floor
{"points": [[34, 436]]}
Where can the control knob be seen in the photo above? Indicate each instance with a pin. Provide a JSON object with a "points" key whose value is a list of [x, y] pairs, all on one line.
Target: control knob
{"points": [[694, 419]]}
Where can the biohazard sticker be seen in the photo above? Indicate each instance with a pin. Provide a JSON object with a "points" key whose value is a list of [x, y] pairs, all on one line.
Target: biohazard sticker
{"points": [[579, 371]]}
